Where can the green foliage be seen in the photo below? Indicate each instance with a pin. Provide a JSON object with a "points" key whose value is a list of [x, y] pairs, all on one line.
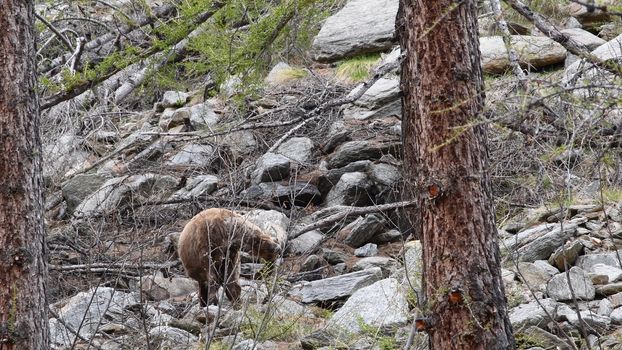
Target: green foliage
{"points": [[612, 194], [357, 69], [265, 326], [384, 342]]}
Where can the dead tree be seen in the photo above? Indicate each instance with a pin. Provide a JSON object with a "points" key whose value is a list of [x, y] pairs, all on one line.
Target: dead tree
{"points": [[446, 160], [23, 273]]}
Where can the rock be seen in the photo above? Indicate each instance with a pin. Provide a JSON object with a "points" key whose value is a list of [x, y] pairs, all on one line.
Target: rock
{"points": [[334, 175], [388, 265], [311, 263], [193, 155], [605, 307], [382, 92], [544, 339], [542, 247], [335, 288], [609, 289], [583, 37], [507, 276], [534, 51], [271, 167], [615, 299], [203, 116], [79, 187], [544, 265], [387, 237], [297, 193], [241, 143], [588, 18], [534, 276], [361, 230], [171, 337], [385, 174], [283, 73], [559, 290], [195, 187], [353, 151], [566, 255], [382, 305], [528, 235], [272, 222], [64, 156], [361, 26], [587, 262], [531, 314], [172, 118], [352, 189], [413, 264], [116, 193], [598, 323], [297, 149], [174, 99], [86, 311], [581, 72], [334, 257], [161, 288], [317, 339], [616, 316], [305, 243], [368, 249], [613, 274]]}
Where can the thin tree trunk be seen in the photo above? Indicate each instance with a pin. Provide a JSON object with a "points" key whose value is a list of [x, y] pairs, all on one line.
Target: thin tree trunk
{"points": [[446, 164], [23, 273]]}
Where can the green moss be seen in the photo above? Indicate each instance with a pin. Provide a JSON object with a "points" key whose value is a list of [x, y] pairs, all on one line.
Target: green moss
{"points": [[357, 69]]}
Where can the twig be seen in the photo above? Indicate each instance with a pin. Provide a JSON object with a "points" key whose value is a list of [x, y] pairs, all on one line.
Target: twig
{"points": [[75, 58], [507, 40], [55, 31]]}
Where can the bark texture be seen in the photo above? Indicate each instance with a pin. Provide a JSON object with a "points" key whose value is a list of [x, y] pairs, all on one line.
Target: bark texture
{"points": [[23, 274], [446, 169]]}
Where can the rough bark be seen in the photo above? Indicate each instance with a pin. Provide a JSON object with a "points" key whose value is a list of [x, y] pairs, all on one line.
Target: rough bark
{"points": [[23, 307], [446, 168]]}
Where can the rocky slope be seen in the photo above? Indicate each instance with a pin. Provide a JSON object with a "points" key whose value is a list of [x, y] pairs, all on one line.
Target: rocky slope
{"points": [[125, 189]]}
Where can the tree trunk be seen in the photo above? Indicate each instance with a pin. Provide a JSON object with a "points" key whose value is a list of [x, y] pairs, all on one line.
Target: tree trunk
{"points": [[446, 160], [23, 307]]}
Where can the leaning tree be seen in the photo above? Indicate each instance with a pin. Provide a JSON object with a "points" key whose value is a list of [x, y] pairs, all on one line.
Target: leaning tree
{"points": [[463, 304], [23, 273]]}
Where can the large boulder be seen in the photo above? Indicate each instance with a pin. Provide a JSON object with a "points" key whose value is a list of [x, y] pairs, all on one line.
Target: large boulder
{"points": [[381, 305], [558, 287], [352, 189], [362, 26], [193, 155], [297, 149], [79, 187], [271, 167], [339, 287], [533, 51]]}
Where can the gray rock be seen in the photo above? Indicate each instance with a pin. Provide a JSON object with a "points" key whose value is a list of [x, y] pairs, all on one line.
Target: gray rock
{"points": [[544, 265], [535, 51], [117, 193], [172, 118], [352, 189], [583, 37], [353, 151], [381, 305], [385, 174], [413, 265], [171, 337], [64, 156], [382, 92], [203, 116], [587, 262], [581, 69], [361, 230], [605, 307], [297, 149], [369, 249], [305, 243], [174, 99], [598, 323], [542, 247], [193, 155], [271, 222], [387, 237], [534, 276], [197, 186], [559, 290], [79, 187], [566, 255], [359, 27], [241, 143], [609, 289], [334, 288], [334, 257], [616, 316], [613, 274], [615, 299], [531, 314], [283, 73], [388, 265], [333, 175], [296, 193], [88, 310], [161, 288], [317, 340], [271, 167]]}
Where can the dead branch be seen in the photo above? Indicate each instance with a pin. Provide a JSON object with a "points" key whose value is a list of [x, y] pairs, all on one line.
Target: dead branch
{"points": [[345, 211], [507, 40], [56, 32], [591, 7], [546, 27], [109, 267]]}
